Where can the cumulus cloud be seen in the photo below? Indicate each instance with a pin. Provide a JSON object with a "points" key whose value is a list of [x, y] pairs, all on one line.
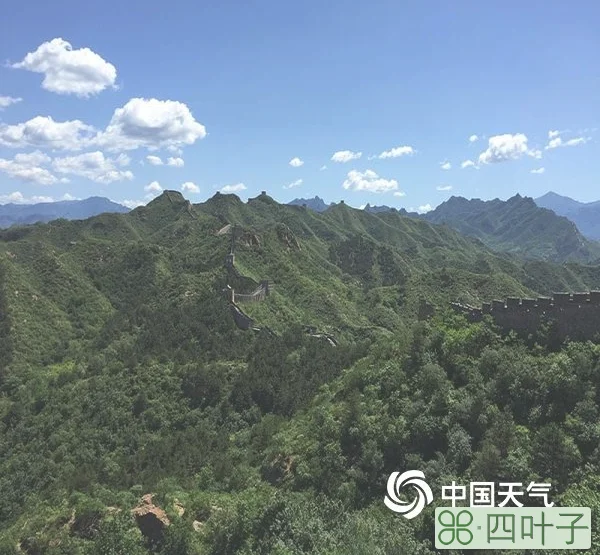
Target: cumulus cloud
{"points": [[293, 184], [132, 203], [18, 198], [66, 71], [141, 123], [444, 187], [28, 167], [296, 162], [469, 164], [553, 134], [189, 187], [343, 156], [175, 162], [558, 142], [399, 194], [93, 166], [6, 101], [152, 124], [153, 187], [502, 148], [154, 160], [44, 132], [397, 152], [369, 181], [538, 170], [473, 138], [535, 153], [234, 188], [424, 208], [446, 165]]}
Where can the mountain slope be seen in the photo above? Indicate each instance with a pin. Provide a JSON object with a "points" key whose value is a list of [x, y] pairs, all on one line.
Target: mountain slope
{"points": [[122, 372], [586, 216], [517, 226], [22, 214]]}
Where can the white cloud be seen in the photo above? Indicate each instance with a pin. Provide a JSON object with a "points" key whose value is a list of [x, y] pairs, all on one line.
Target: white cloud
{"points": [[233, 188], [446, 165], [423, 209], [132, 203], [35, 158], [558, 142], [18, 198], [553, 134], [176, 162], [535, 153], [44, 132], [369, 181], [399, 194], [93, 166], [469, 164], [322, 168], [189, 187], [397, 152], [506, 147], [6, 101], [538, 170], [473, 138], [151, 123], [296, 162], [154, 160], [27, 167], [343, 156], [123, 159], [444, 187], [66, 71], [576, 141], [69, 196], [293, 184], [153, 187]]}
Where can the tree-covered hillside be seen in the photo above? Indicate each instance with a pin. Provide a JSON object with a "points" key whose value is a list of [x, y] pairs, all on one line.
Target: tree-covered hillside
{"points": [[517, 226], [123, 374]]}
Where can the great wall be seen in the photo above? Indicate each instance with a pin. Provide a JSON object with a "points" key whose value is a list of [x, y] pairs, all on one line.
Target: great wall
{"points": [[259, 294], [574, 316]]}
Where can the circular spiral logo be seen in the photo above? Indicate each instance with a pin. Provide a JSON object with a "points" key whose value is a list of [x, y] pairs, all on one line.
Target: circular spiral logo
{"points": [[396, 482]]}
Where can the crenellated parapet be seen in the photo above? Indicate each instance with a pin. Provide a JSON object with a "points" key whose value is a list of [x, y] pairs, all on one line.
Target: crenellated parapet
{"points": [[573, 315]]}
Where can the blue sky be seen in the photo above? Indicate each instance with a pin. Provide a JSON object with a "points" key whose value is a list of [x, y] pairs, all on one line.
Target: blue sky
{"points": [[234, 91]]}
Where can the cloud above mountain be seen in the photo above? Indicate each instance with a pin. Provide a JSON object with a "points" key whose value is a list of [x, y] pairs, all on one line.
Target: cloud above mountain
{"points": [[81, 71]]}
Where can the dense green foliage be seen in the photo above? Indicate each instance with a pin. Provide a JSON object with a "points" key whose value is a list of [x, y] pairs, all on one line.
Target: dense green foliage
{"points": [[123, 374]]}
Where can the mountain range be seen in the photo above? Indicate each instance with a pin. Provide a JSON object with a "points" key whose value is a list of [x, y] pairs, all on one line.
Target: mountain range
{"points": [[519, 225], [126, 386], [22, 214], [585, 215]]}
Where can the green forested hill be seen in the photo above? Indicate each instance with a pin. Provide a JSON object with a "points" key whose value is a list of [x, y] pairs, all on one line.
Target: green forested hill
{"points": [[517, 226], [123, 373]]}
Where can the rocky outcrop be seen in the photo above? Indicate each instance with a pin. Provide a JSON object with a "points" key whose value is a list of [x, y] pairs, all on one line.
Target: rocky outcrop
{"points": [[151, 520], [287, 237]]}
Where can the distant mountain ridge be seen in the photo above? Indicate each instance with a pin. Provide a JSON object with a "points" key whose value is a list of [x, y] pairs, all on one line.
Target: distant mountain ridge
{"points": [[518, 226], [585, 215], [316, 203], [24, 214]]}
